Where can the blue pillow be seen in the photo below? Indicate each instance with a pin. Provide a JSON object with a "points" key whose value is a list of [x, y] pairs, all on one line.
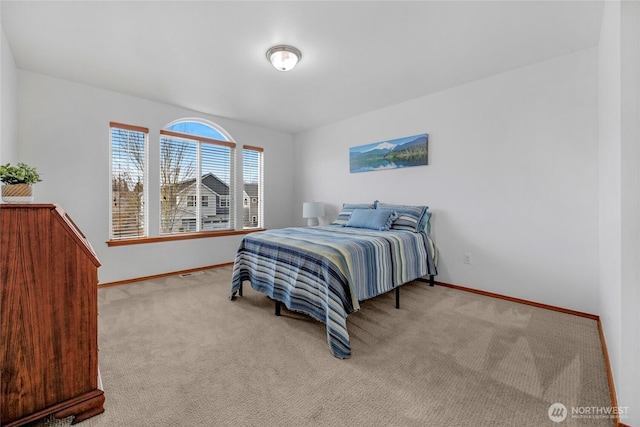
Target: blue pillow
{"points": [[410, 218], [347, 210], [373, 219]]}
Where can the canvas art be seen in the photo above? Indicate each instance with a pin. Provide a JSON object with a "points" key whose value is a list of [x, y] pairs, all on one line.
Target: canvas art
{"points": [[392, 154]]}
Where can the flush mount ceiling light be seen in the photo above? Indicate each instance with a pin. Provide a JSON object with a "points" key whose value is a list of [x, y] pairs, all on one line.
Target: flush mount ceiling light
{"points": [[284, 57]]}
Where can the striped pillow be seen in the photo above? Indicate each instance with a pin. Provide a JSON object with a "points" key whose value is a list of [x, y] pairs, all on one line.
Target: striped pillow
{"points": [[426, 223], [410, 218], [347, 210]]}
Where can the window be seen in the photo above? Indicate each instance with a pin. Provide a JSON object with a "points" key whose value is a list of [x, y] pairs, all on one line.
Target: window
{"points": [[191, 201], [196, 163], [129, 198], [194, 182], [252, 174]]}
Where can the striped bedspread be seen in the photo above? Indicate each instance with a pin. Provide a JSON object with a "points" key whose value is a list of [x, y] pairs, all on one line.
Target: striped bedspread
{"points": [[325, 271]]}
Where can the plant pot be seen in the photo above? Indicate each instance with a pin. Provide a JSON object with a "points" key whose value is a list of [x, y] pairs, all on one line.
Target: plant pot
{"points": [[17, 193]]}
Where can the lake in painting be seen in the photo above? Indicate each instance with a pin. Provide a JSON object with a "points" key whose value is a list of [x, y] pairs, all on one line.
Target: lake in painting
{"points": [[392, 154]]}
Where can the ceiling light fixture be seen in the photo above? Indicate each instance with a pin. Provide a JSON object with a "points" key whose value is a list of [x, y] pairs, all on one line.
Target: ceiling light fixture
{"points": [[284, 57]]}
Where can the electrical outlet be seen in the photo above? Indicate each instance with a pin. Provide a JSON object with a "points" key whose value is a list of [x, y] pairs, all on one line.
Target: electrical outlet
{"points": [[467, 258]]}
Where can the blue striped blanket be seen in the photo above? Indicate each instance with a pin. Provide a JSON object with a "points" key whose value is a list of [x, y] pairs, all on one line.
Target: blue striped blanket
{"points": [[325, 271]]}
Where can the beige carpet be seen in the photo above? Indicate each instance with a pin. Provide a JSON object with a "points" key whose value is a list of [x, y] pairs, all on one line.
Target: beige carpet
{"points": [[177, 352]]}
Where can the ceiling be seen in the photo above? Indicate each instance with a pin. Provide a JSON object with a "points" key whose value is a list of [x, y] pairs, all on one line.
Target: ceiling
{"points": [[357, 56]]}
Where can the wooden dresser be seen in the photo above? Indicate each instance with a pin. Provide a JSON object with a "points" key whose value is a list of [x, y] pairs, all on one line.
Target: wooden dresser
{"points": [[49, 317]]}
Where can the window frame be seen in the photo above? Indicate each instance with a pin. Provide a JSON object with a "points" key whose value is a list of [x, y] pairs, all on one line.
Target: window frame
{"points": [[199, 141], [145, 181], [260, 195]]}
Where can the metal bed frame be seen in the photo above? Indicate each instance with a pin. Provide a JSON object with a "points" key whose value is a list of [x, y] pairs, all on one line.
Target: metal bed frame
{"points": [[430, 281]]}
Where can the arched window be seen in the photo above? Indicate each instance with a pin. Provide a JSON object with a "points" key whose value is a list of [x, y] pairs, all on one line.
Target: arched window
{"points": [[197, 182], [196, 178]]}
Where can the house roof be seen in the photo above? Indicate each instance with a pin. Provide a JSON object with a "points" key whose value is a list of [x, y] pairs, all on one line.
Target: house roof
{"points": [[211, 181], [251, 189]]}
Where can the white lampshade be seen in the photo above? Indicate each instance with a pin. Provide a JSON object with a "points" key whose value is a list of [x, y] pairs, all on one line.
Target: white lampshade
{"points": [[312, 210], [283, 57]]}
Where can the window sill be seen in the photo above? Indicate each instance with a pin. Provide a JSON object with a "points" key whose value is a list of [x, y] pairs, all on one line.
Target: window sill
{"points": [[185, 236]]}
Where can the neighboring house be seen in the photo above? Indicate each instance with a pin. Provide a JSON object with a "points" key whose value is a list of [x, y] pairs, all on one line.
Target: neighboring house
{"points": [[250, 205], [214, 204]]}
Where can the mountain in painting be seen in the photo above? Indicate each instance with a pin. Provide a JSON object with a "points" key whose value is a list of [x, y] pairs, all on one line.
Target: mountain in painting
{"points": [[420, 140], [382, 147], [415, 149]]}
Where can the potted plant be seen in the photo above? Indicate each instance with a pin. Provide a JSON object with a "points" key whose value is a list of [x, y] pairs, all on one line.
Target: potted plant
{"points": [[17, 182]]}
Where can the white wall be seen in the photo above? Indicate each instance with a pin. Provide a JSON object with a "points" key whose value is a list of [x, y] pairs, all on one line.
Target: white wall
{"points": [[609, 181], [619, 200], [8, 103], [629, 384], [64, 131], [512, 178]]}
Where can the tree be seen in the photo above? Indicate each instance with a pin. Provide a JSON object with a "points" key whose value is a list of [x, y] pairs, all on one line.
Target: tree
{"points": [[176, 166], [127, 203], [127, 188]]}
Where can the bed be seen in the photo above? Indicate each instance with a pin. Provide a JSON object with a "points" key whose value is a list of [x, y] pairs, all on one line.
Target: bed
{"points": [[325, 271]]}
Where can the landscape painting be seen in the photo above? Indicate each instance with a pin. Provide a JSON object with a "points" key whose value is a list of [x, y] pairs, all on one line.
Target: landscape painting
{"points": [[392, 154]]}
